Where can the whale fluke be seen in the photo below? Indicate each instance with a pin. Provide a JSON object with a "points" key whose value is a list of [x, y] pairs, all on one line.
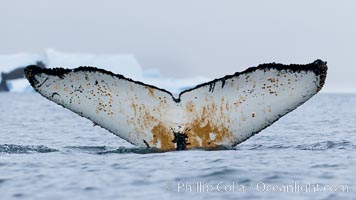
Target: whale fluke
{"points": [[220, 113]]}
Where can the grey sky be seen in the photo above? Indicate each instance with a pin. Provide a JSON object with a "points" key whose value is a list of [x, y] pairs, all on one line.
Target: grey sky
{"points": [[191, 37]]}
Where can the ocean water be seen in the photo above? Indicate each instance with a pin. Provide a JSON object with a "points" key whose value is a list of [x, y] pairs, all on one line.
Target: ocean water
{"points": [[47, 152]]}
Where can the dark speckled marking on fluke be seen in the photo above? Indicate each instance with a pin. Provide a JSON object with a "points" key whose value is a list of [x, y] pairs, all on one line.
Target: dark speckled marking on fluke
{"points": [[223, 83], [54, 94]]}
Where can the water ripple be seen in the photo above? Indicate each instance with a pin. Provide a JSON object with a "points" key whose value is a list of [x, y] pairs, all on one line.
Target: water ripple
{"points": [[2, 181], [317, 146], [20, 149], [327, 145], [221, 173], [124, 150], [325, 166]]}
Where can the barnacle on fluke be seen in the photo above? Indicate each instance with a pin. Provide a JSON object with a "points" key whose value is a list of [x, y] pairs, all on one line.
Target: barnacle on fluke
{"points": [[219, 113]]}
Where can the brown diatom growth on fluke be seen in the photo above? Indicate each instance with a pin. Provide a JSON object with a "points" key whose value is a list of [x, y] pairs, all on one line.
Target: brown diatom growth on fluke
{"points": [[163, 137], [208, 135]]}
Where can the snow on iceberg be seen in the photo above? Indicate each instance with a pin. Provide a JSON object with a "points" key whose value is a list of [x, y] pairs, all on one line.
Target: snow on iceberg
{"points": [[124, 64], [9, 62]]}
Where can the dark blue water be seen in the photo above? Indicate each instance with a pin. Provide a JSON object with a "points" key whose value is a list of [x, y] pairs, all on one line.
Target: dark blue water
{"points": [[47, 152]]}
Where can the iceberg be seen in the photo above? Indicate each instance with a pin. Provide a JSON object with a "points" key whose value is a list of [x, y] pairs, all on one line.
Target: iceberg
{"points": [[124, 64], [9, 62], [12, 65]]}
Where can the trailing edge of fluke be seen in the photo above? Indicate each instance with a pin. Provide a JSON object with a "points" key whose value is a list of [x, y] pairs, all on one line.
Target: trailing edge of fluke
{"points": [[221, 113]]}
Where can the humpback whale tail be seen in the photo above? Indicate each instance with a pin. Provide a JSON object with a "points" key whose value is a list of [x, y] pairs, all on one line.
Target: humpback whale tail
{"points": [[221, 113]]}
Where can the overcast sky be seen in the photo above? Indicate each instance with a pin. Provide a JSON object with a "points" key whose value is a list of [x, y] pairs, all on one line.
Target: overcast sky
{"points": [[191, 37]]}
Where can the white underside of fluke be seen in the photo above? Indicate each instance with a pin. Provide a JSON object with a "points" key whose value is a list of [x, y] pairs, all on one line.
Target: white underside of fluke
{"points": [[223, 112]]}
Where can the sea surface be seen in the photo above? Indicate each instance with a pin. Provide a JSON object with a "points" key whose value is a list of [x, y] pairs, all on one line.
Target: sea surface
{"points": [[47, 152]]}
